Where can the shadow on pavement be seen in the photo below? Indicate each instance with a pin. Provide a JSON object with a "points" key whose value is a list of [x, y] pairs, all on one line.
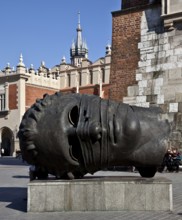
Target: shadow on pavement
{"points": [[21, 177], [16, 196]]}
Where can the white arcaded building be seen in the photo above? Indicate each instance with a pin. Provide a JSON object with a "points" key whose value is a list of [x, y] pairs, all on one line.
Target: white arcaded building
{"points": [[20, 87]]}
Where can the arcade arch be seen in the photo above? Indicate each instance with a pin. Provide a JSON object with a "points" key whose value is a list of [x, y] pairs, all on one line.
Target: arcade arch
{"points": [[7, 141]]}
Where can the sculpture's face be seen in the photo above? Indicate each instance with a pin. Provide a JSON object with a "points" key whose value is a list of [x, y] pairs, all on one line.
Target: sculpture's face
{"points": [[66, 130], [53, 124]]}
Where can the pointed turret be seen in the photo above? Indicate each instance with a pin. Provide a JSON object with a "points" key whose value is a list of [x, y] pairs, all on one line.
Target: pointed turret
{"points": [[21, 61], [31, 69], [7, 69], [20, 68], [108, 49], [79, 48], [79, 34], [63, 60]]}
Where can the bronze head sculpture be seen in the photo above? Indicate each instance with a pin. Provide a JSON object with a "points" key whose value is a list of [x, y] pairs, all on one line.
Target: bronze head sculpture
{"points": [[71, 135]]}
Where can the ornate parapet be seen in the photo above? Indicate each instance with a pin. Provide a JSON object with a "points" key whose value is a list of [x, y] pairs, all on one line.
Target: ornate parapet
{"points": [[44, 80]]}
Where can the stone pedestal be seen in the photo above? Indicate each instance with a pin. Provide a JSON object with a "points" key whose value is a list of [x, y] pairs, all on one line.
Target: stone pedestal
{"points": [[100, 194]]}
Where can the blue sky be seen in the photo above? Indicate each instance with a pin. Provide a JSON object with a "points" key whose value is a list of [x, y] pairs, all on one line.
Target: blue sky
{"points": [[43, 30]]}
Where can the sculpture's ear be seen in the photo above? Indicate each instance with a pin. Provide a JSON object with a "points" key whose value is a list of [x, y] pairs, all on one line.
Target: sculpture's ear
{"points": [[74, 116]]}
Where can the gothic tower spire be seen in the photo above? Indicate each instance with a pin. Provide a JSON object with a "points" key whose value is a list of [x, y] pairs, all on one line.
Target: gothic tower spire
{"points": [[79, 48]]}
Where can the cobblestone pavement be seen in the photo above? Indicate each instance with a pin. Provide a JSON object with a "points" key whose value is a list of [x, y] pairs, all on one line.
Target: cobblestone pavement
{"points": [[13, 190]]}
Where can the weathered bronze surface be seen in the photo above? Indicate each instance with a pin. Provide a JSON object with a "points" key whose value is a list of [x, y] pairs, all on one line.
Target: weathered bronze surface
{"points": [[71, 135]]}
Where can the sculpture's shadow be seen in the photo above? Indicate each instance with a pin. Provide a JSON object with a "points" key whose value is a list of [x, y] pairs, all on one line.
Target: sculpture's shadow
{"points": [[15, 196]]}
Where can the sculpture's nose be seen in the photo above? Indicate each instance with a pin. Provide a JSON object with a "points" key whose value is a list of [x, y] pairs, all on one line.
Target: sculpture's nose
{"points": [[95, 131], [89, 130]]}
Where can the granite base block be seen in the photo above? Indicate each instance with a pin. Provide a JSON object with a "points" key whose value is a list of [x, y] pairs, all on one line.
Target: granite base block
{"points": [[100, 194]]}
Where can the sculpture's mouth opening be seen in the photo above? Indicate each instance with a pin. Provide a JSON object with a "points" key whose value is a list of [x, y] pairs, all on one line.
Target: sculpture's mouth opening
{"points": [[75, 150]]}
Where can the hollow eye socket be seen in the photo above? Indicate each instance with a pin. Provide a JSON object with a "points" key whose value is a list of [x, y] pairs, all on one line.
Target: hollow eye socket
{"points": [[74, 116]]}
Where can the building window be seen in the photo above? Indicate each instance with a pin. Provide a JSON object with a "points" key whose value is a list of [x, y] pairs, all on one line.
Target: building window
{"points": [[103, 75], [165, 7], [90, 81], [68, 80], [171, 12], [2, 102], [80, 78], [171, 6]]}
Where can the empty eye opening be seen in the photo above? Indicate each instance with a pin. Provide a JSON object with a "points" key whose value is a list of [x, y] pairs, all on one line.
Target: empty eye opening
{"points": [[74, 116]]}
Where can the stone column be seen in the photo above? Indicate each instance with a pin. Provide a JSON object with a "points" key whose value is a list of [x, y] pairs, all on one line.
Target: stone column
{"points": [[22, 95], [6, 88]]}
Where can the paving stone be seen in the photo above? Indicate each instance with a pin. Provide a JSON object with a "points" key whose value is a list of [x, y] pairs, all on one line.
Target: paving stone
{"points": [[13, 189]]}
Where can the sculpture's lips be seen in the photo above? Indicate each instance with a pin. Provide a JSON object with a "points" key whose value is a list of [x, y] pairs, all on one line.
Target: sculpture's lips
{"points": [[75, 153], [71, 154]]}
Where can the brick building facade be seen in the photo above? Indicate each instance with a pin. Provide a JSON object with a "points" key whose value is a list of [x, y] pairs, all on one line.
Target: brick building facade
{"points": [[126, 34], [147, 57]]}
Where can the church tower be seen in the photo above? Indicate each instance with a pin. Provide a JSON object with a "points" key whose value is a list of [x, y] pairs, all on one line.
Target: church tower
{"points": [[78, 50]]}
